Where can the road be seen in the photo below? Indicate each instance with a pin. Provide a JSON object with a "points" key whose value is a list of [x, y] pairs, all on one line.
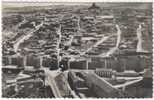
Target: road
{"points": [[118, 36], [136, 80], [70, 41], [58, 45], [104, 38], [79, 28], [112, 50], [25, 37], [50, 81], [140, 39]]}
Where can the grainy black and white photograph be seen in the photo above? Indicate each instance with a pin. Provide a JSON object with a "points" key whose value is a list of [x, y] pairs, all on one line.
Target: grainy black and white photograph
{"points": [[77, 50]]}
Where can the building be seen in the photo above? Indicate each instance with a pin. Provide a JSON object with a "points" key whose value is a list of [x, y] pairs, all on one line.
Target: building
{"points": [[94, 9]]}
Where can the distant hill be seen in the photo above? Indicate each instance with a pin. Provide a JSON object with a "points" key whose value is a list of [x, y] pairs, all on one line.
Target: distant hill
{"points": [[26, 7], [127, 5], [140, 5]]}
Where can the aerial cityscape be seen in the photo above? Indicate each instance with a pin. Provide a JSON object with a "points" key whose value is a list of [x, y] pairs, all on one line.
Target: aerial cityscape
{"points": [[77, 50]]}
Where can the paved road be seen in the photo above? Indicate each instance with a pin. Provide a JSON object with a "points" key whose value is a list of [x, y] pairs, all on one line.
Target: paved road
{"points": [[49, 80], [25, 37], [112, 50], [58, 45], [138, 79], [103, 39], [97, 43], [140, 39]]}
